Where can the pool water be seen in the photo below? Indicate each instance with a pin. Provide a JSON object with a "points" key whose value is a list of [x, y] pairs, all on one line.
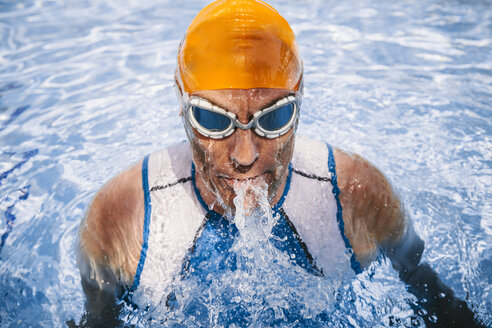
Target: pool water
{"points": [[86, 89]]}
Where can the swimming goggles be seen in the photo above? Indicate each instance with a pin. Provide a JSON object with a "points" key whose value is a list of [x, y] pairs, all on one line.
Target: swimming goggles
{"points": [[217, 123]]}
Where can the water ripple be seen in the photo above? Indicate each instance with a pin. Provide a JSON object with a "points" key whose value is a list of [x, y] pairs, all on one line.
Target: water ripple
{"points": [[88, 86]]}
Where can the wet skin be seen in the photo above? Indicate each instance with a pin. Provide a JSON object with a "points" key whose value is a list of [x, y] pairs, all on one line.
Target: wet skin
{"points": [[244, 155]]}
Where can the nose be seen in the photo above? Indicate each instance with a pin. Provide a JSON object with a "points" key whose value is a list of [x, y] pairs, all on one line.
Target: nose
{"points": [[245, 152]]}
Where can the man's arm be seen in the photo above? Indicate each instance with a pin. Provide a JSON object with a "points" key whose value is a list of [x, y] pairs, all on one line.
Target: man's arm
{"points": [[372, 212], [110, 244], [375, 220]]}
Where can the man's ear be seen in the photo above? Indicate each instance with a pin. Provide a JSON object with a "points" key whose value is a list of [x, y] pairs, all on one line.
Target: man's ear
{"points": [[178, 87], [179, 95]]}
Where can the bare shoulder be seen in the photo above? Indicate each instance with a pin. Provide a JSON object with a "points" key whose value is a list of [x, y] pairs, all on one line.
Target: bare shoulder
{"points": [[111, 234], [372, 212]]}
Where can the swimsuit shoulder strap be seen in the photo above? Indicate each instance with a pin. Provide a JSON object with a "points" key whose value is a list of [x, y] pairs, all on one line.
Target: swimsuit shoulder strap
{"points": [[314, 206], [172, 218]]}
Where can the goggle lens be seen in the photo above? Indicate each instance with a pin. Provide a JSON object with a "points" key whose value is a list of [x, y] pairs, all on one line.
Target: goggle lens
{"points": [[277, 118], [210, 120]]}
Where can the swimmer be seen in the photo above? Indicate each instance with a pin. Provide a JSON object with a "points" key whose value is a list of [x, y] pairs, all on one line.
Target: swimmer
{"points": [[239, 80]]}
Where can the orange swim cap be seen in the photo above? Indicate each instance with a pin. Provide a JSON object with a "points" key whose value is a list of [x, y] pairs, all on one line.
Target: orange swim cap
{"points": [[239, 44]]}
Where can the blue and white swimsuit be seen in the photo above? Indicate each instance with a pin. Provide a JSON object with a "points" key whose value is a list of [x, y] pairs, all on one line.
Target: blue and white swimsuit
{"points": [[177, 221]]}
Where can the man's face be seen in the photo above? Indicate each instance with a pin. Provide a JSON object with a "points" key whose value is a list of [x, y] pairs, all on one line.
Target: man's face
{"points": [[244, 155]]}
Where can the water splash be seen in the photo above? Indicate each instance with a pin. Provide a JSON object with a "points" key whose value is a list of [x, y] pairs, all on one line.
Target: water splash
{"points": [[236, 276], [254, 217]]}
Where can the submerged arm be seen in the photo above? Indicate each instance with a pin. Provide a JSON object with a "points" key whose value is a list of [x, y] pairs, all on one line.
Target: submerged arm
{"points": [[101, 289], [374, 219], [442, 308], [110, 245]]}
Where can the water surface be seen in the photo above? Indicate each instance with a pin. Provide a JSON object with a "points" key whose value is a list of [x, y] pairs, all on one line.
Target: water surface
{"points": [[86, 89]]}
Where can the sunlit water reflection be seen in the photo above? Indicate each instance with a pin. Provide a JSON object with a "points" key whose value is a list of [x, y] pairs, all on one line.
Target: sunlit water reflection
{"points": [[86, 88]]}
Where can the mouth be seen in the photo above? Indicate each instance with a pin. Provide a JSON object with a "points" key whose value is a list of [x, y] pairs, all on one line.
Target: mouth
{"points": [[253, 180]]}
